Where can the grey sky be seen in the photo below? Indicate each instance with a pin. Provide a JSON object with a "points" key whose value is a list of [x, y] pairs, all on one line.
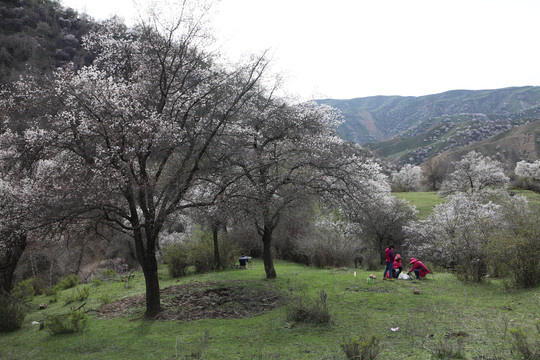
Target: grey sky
{"points": [[356, 48]]}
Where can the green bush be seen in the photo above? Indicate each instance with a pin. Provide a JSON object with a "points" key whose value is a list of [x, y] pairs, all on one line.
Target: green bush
{"points": [[108, 274], [24, 290], [328, 246], [197, 253], [514, 251], [67, 283], [28, 288], [362, 348], [371, 260], [79, 295], [50, 291], [201, 252], [175, 257], [315, 311], [73, 322], [11, 314]]}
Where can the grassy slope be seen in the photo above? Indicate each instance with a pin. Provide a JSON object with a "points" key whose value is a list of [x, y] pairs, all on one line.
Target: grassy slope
{"points": [[423, 201], [484, 312]]}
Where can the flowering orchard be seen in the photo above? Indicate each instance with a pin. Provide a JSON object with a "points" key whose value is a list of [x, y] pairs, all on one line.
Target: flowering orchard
{"points": [[155, 126]]}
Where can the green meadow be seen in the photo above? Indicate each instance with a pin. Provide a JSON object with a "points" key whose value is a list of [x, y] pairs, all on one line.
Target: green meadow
{"points": [[461, 320], [424, 201], [436, 318]]}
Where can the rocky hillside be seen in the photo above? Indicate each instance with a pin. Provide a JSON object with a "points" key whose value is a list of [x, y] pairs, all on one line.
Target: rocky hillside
{"points": [[413, 129], [41, 35], [509, 147]]}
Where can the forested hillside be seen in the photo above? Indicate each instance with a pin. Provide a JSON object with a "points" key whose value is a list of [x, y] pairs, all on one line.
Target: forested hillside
{"points": [[509, 147], [413, 129], [40, 34]]}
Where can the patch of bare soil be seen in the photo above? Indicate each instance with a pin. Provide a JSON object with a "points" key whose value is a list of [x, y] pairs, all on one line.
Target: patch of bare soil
{"points": [[201, 300]]}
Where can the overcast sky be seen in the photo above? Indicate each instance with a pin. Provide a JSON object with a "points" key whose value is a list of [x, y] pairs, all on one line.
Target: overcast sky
{"points": [[356, 48]]}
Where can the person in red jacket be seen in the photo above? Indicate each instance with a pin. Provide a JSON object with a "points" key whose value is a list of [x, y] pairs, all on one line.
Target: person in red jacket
{"points": [[420, 270], [389, 261], [397, 267]]}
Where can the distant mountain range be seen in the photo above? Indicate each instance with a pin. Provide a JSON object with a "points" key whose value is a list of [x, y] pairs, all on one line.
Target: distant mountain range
{"points": [[413, 129], [503, 123]]}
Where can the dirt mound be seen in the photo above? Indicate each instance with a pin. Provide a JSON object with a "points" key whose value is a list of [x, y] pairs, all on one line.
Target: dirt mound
{"points": [[201, 300]]}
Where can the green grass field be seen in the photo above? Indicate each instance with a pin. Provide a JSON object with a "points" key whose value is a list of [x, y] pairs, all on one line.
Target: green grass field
{"points": [[478, 318], [426, 200]]}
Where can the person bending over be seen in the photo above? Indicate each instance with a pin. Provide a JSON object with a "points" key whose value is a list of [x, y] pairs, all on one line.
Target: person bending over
{"points": [[419, 269]]}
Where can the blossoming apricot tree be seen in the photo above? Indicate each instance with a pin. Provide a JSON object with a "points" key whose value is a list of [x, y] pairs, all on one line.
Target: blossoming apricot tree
{"points": [[126, 138]]}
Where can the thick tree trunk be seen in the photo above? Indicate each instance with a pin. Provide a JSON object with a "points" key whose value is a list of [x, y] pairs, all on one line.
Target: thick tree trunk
{"points": [[146, 255], [217, 257], [8, 263], [267, 253], [153, 298]]}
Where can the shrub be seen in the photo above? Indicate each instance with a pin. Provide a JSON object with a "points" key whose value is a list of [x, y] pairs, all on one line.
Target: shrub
{"points": [[315, 311], [329, 244], [108, 274], [457, 233], [105, 275], [11, 314], [473, 269], [50, 291], [79, 295], [514, 249], [24, 290], [515, 252], [197, 252], [67, 282], [371, 260], [200, 249], [362, 348], [295, 226], [245, 238], [73, 322], [175, 257]]}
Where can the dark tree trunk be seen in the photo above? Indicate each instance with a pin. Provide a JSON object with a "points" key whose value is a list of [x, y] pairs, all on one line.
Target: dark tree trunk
{"points": [[217, 257], [153, 299], [146, 255], [380, 249], [8, 263], [267, 253]]}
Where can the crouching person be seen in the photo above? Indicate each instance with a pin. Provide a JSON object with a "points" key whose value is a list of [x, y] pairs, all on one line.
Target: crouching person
{"points": [[397, 267], [419, 269], [243, 260]]}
